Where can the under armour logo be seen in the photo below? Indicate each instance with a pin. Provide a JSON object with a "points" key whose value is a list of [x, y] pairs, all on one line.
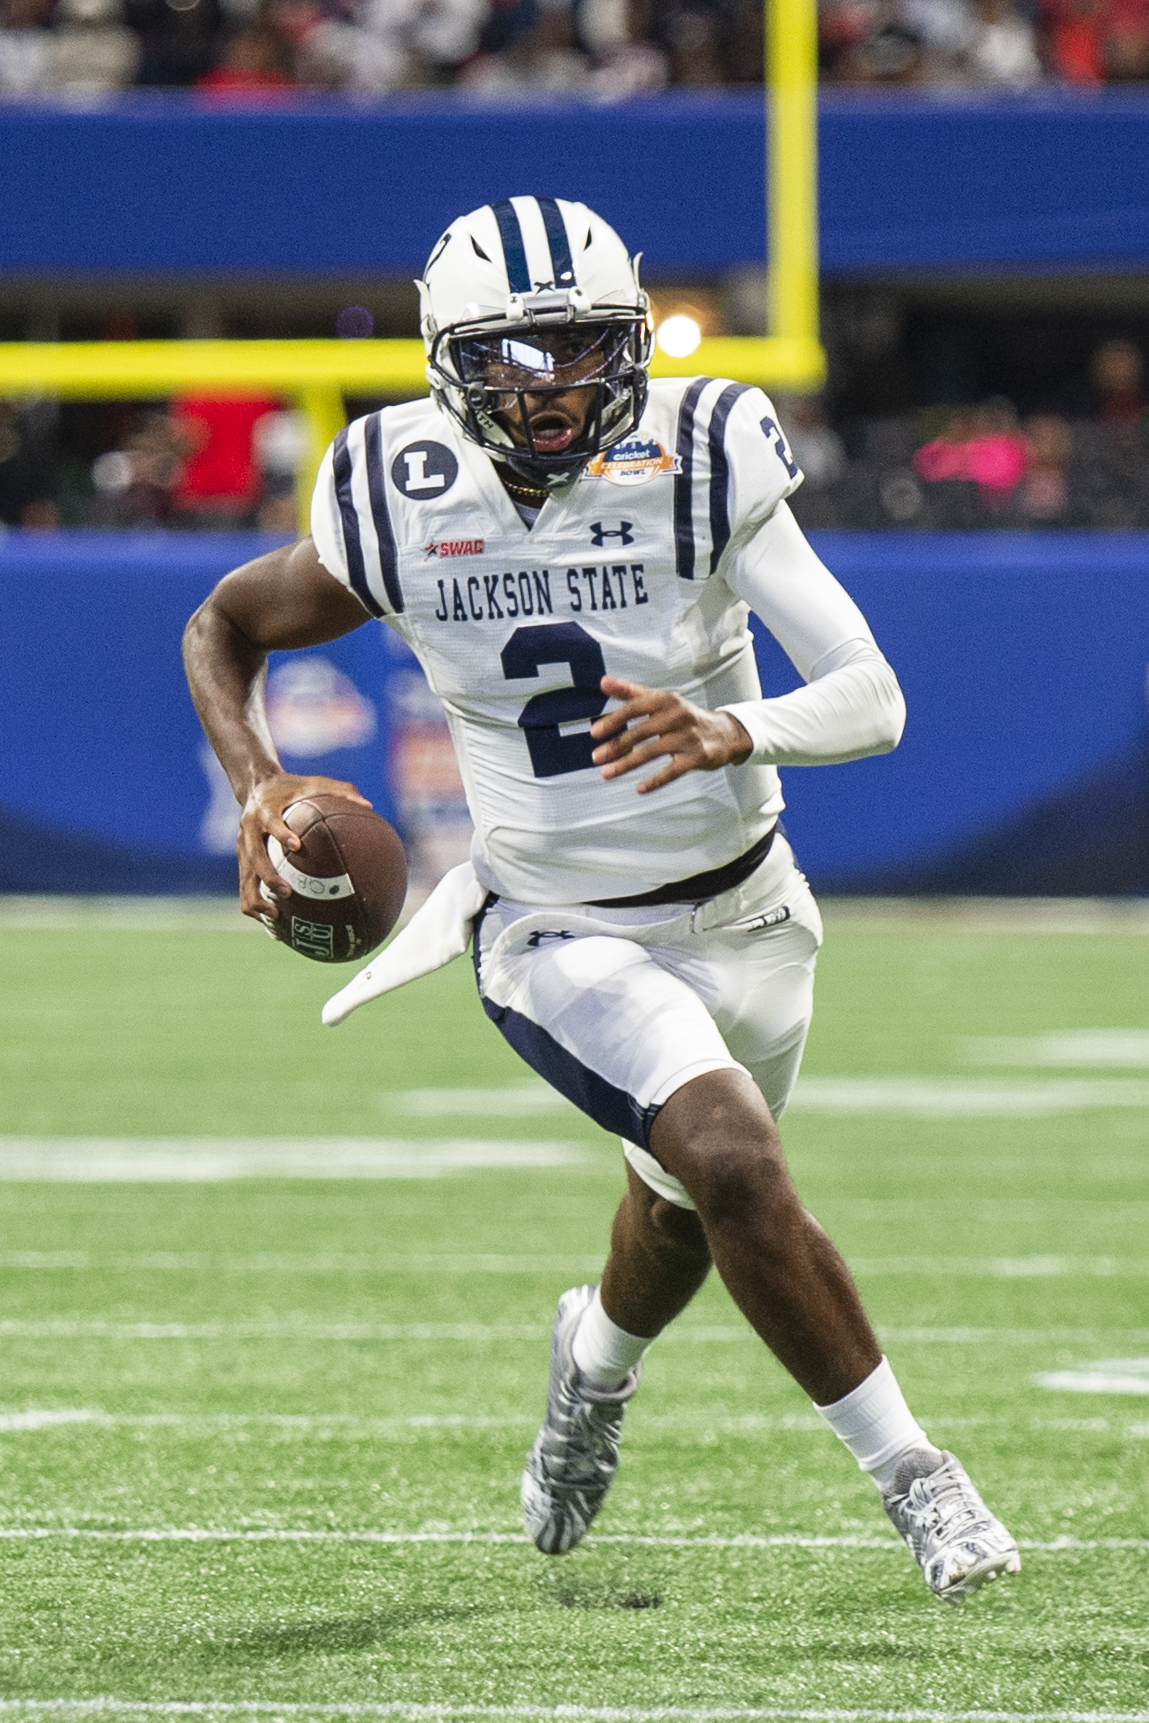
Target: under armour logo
{"points": [[600, 533], [536, 939]]}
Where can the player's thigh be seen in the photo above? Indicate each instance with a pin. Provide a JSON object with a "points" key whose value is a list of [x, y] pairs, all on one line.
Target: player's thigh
{"points": [[602, 1021], [758, 985], [769, 1014]]}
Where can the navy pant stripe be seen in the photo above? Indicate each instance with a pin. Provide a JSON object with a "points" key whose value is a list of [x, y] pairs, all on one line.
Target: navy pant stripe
{"points": [[381, 514], [514, 248], [341, 466], [557, 239], [720, 473], [612, 1108], [684, 481]]}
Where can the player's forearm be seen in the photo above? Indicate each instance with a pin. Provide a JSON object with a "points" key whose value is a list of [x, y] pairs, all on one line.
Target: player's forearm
{"points": [[854, 710], [226, 673]]}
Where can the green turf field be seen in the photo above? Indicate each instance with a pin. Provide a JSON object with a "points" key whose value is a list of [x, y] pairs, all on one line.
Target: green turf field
{"points": [[260, 1440]]}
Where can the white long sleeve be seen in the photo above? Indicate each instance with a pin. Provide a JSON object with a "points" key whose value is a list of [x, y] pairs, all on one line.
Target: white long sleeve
{"points": [[851, 705]]}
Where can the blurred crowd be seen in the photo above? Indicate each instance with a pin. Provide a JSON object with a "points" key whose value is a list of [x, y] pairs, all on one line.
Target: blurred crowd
{"points": [[1084, 463], [233, 48], [200, 463], [1008, 44], [203, 464]]}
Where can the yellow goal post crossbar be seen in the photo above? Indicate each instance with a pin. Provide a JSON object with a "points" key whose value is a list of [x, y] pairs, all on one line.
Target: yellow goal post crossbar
{"points": [[316, 375]]}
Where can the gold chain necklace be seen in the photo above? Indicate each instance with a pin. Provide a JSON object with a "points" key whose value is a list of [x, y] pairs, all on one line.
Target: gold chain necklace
{"points": [[523, 490]]}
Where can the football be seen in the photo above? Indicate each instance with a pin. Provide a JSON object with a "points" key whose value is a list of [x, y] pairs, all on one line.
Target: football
{"points": [[348, 880]]}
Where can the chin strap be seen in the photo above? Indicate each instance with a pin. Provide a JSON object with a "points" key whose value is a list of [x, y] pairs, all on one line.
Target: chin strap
{"points": [[436, 934]]}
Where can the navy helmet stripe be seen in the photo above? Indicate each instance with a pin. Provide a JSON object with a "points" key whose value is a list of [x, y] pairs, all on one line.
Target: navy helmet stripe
{"points": [[380, 514], [720, 473], [352, 544], [684, 482], [557, 239], [514, 246]]}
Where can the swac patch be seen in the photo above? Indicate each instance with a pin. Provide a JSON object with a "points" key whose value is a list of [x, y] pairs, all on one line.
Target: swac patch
{"points": [[454, 547], [633, 462], [424, 470]]}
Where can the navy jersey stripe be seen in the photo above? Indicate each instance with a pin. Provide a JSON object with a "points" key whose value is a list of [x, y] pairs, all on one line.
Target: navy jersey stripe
{"points": [[561, 260], [352, 544], [381, 515], [514, 247], [720, 473], [684, 482]]}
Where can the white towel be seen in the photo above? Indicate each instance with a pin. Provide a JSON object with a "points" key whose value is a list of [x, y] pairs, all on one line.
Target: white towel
{"points": [[435, 935]]}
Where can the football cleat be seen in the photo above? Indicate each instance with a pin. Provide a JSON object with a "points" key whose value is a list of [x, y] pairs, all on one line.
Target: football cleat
{"points": [[958, 1544], [575, 1454]]}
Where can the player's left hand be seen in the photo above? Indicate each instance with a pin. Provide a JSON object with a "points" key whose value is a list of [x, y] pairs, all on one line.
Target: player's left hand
{"points": [[651, 722]]}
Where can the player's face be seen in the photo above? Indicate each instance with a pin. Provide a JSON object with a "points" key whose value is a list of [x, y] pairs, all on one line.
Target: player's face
{"points": [[549, 377]]}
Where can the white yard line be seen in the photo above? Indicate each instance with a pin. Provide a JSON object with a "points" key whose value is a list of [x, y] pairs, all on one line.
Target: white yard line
{"points": [[1106, 1376], [910, 1096], [966, 1098], [1005, 1267], [331, 1262], [211, 1160], [355, 1426], [887, 1544], [201, 1262], [1079, 1048], [402, 1709], [468, 1333]]}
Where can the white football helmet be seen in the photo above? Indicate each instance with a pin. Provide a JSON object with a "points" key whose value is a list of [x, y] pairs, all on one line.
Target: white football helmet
{"points": [[535, 296]]}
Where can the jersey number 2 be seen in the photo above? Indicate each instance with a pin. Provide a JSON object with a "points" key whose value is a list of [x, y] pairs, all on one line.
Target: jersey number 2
{"points": [[557, 643]]}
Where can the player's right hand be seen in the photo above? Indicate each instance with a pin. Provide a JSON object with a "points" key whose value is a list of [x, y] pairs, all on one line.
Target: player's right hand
{"points": [[262, 818]]}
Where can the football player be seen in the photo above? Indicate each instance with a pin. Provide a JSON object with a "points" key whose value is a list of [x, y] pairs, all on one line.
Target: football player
{"points": [[571, 551]]}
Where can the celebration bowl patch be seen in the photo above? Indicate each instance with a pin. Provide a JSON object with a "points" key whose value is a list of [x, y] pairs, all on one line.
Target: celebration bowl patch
{"points": [[633, 462]]}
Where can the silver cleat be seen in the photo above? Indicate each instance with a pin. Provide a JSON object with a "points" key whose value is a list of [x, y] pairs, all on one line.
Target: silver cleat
{"points": [[575, 1454], [958, 1544]]}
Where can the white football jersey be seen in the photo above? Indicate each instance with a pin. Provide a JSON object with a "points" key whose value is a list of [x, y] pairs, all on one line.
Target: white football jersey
{"points": [[627, 572]]}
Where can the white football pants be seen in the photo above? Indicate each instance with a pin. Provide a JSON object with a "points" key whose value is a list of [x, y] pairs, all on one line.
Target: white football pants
{"points": [[618, 1008]]}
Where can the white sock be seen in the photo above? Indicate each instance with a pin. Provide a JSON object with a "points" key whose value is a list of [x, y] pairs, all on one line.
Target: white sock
{"points": [[604, 1352], [877, 1426]]}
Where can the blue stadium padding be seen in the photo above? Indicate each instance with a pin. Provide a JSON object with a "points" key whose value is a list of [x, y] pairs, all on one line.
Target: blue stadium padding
{"points": [[161, 182], [100, 738], [1023, 660], [1022, 657]]}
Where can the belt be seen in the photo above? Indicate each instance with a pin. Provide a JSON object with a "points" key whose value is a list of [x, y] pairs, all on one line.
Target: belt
{"points": [[699, 886]]}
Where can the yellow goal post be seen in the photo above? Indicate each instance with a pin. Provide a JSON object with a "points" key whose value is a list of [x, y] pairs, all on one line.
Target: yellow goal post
{"points": [[316, 375]]}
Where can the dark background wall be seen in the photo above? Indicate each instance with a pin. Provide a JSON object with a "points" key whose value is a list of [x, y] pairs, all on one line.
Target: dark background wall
{"points": [[155, 183]]}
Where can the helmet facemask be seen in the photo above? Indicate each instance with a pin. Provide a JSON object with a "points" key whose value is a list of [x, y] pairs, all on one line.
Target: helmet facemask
{"points": [[493, 375]]}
